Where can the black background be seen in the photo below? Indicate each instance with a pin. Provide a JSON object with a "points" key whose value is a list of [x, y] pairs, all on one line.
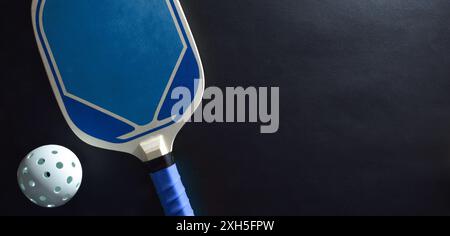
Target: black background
{"points": [[365, 113]]}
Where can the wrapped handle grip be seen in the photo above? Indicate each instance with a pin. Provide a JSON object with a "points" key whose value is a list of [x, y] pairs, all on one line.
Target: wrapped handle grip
{"points": [[171, 192]]}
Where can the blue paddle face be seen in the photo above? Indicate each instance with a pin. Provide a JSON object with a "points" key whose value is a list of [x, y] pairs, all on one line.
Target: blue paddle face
{"points": [[113, 64]]}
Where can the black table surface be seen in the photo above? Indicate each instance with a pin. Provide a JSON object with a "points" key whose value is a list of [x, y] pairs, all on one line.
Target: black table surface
{"points": [[364, 113]]}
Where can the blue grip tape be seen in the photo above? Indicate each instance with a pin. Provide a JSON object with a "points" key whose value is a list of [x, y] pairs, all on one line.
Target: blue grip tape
{"points": [[171, 192]]}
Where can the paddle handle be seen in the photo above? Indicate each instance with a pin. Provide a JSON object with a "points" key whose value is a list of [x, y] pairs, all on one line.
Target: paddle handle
{"points": [[170, 189]]}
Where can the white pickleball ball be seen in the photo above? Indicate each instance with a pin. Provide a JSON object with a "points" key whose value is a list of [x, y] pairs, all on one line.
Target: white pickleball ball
{"points": [[50, 175]]}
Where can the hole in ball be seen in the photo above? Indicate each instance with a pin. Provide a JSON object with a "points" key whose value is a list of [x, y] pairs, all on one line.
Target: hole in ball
{"points": [[59, 165], [57, 190], [69, 179], [65, 198]]}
